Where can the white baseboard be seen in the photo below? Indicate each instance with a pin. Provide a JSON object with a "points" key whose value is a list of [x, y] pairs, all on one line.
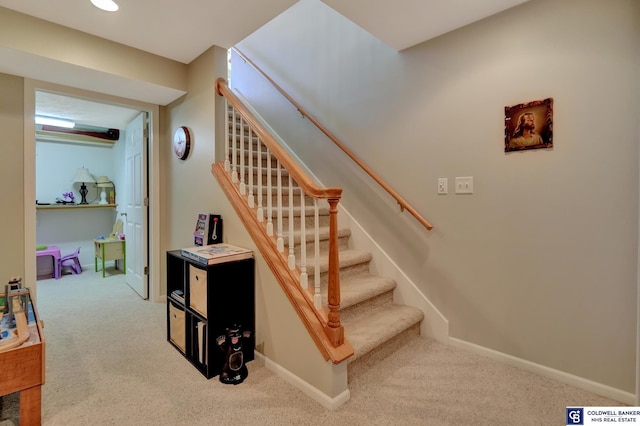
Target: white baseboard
{"points": [[560, 376], [306, 388]]}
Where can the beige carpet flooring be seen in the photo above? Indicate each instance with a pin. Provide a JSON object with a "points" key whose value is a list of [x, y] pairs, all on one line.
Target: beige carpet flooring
{"points": [[108, 363]]}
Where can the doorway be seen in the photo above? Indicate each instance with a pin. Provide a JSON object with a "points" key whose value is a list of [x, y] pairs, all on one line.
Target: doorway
{"points": [[77, 104]]}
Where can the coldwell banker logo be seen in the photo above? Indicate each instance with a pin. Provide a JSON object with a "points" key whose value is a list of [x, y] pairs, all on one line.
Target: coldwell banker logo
{"points": [[574, 416]]}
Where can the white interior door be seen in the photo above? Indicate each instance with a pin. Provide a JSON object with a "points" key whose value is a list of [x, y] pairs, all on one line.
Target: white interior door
{"points": [[136, 194]]}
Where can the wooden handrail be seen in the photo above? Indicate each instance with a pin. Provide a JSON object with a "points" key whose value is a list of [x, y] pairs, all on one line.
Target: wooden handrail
{"points": [[301, 178], [404, 205], [332, 327]]}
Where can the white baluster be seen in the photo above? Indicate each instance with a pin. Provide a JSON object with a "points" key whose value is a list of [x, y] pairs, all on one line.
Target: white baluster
{"points": [[227, 142], [251, 201], [260, 212], [234, 151], [243, 187], [317, 296], [304, 278], [280, 240], [269, 196], [292, 255]]}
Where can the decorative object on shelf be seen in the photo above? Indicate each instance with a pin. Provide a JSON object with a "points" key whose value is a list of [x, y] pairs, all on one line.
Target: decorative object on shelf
{"points": [[68, 197], [182, 143], [528, 125], [83, 176], [208, 229], [104, 182]]}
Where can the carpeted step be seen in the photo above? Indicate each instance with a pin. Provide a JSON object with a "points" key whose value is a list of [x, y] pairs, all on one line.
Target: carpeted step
{"points": [[351, 262], [367, 332], [343, 241], [363, 293], [309, 215], [358, 368]]}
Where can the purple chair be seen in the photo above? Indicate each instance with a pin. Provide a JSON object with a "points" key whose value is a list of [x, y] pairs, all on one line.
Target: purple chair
{"points": [[72, 261]]}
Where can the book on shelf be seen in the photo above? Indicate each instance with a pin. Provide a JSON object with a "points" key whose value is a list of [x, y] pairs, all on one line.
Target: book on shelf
{"points": [[202, 347], [216, 253], [178, 295]]}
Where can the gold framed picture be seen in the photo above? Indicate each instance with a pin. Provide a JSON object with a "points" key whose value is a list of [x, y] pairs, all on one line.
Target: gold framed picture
{"points": [[528, 125]]}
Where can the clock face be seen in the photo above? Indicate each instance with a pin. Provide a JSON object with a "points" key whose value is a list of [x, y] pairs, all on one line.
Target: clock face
{"points": [[181, 143]]}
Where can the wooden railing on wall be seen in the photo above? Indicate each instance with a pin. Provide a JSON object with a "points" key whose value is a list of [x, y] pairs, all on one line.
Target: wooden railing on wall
{"points": [[404, 205], [253, 161]]}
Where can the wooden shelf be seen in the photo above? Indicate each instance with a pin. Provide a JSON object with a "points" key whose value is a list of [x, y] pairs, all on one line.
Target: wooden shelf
{"points": [[74, 206], [22, 369]]}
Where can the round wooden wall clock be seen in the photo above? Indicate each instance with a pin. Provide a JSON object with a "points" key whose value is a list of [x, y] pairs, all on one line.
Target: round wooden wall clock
{"points": [[182, 143]]}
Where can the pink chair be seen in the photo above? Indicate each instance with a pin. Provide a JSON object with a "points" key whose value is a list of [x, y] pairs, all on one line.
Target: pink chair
{"points": [[72, 261], [54, 252]]}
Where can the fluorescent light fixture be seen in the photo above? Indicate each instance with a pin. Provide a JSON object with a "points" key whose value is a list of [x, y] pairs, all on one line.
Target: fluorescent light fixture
{"points": [[51, 121], [108, 5]]}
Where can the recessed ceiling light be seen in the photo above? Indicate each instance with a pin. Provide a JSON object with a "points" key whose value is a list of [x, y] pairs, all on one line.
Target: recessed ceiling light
{"points": [[108, 5]]}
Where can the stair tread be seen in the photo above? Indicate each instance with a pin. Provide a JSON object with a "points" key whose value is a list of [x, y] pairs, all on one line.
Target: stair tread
{"points": [[368, 331], [297, 211], [323, 234], [347, 257], [354, 290]]}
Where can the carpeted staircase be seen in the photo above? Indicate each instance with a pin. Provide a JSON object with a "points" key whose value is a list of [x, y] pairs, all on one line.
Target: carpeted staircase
{"points": [[374, 325]]}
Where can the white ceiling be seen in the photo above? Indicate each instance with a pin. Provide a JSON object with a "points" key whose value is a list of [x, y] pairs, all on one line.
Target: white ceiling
{"points": [[83, 111], [182, 30], [177, 29], [404, 23]]}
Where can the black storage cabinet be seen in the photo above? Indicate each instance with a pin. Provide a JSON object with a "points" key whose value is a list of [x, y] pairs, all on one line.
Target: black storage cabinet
{"points": [[215, 297]]}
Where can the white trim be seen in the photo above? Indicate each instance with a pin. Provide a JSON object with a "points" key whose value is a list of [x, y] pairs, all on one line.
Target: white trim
{"points": [[29, 187], [560, 376], [306, 388]]}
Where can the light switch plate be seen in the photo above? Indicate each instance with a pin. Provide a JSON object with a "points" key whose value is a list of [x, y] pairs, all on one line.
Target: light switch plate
{"points": [[443, 185], [464, 185]]}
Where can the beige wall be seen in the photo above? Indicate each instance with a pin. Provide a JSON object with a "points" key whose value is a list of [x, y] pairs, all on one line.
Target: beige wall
{"points": [[540, 263], [11, 182], [186, 182], [189, 188]]}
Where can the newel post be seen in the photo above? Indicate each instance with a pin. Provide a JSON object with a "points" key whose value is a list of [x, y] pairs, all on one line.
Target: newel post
{"points": [[335, 331]]}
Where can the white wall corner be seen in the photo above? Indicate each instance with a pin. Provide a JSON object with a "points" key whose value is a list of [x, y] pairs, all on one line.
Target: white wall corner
{"points": [[331, 403]]}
